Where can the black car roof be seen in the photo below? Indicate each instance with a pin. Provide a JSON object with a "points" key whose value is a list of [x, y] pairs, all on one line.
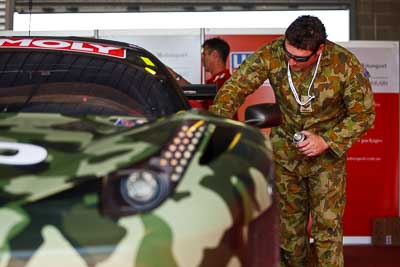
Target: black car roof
{"points": [[101, 68]]}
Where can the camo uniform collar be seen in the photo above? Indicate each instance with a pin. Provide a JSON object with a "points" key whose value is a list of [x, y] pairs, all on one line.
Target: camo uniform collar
{"points": [[327, 53]]}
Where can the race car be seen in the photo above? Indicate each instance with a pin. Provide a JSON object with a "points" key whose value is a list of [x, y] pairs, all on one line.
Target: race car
{"points": [[103, 163]]}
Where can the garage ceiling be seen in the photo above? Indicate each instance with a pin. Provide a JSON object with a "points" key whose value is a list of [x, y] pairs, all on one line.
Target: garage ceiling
{"points": [[76, 6]]}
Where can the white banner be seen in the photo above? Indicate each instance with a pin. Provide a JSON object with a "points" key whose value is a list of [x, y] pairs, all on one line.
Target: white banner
{"points": [[178, 49], [381, 59]]}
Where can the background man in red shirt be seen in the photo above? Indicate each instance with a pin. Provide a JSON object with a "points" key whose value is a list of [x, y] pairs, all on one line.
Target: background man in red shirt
{"points": [[214, 55]]}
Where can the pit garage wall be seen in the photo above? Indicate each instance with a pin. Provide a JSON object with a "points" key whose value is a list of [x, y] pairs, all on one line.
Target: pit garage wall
{"points": [[373, 162]]}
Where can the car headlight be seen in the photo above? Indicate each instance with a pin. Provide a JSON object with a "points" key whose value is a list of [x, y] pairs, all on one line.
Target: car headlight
{"points": [[140, 186], [144, 189], [145, 186]]}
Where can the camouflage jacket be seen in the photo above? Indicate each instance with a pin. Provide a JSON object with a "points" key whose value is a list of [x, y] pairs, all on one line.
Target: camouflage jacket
{"points": [[343, 108]]}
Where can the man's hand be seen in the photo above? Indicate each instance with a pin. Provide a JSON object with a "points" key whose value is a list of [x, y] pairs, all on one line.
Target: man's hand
{"points": [[313, 145]]}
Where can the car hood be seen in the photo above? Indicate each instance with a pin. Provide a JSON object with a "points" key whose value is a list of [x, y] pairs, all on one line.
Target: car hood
{"points": [[80, 148]]}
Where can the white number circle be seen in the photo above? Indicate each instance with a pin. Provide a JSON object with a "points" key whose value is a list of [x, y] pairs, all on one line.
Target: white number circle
{"points": [[26, 154]]}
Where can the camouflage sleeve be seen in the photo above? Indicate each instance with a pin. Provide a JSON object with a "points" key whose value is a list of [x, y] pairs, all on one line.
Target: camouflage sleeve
{"points": [[360, 105], [246, 79]]}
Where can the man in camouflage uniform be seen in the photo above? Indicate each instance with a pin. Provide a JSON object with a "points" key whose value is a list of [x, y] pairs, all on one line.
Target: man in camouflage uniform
{"points": [[323, 92]]}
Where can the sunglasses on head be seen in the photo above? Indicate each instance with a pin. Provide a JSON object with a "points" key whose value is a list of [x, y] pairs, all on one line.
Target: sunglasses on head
{"points": [[298, 58]]}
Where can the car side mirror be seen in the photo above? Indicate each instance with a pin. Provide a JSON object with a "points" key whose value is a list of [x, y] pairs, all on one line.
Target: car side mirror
{"points": [[199, 91], [263, 115]]}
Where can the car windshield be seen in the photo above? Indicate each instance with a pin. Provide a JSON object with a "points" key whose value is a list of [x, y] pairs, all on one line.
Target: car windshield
{"points": [[83, 83]]}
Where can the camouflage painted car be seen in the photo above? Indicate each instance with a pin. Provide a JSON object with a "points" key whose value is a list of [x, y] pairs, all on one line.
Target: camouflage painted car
{"points": [[102, 163]]}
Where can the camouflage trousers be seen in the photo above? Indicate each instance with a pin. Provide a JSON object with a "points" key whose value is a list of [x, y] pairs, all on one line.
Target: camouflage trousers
{"points": [[316, 187]]}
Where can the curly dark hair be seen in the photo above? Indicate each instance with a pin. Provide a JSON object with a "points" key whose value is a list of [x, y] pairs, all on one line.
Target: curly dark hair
{"points": [[219, 45], [306, 32]]}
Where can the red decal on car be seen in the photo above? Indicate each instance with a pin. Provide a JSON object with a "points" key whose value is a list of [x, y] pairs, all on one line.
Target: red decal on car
{"points": [[65, 45]]}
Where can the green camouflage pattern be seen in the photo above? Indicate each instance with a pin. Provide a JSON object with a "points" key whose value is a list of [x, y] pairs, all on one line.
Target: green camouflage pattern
{"points": [[343, 110], [324, 181], [51, 212]]}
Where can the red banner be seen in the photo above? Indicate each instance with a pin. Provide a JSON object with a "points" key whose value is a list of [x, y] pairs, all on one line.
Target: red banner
{"points": [[373, 170]]}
